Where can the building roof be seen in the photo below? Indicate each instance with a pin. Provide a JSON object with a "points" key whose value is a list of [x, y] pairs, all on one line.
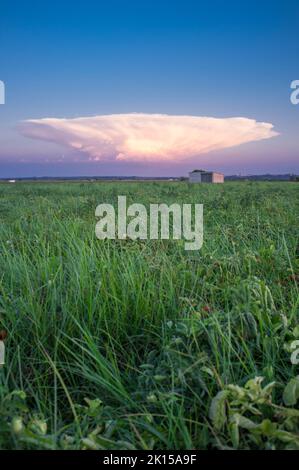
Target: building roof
{"points": [[207, 172]]}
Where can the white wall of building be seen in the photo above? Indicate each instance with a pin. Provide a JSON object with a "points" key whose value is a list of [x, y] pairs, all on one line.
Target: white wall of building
{"points": [[205, 177]]}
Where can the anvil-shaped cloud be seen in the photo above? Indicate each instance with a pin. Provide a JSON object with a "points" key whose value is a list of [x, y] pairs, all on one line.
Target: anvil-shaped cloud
{"points": [[147, 137]]}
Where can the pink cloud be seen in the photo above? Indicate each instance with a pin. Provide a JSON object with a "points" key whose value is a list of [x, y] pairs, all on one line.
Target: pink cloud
{"points": [[147, 137]]}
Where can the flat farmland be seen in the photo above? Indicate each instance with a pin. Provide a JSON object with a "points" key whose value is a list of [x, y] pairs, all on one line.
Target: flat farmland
{"points": [[121, 344]]}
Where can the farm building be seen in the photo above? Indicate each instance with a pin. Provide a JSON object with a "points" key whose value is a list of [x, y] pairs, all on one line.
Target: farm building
{"points": [[202, 176]]}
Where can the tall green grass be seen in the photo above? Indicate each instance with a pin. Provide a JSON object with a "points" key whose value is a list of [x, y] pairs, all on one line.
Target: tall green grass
{"points": [[146, 330]]}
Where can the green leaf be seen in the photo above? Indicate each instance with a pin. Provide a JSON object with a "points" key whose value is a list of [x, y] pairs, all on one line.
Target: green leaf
{"points": [[234, 434], [217, 411], [267, 427], [291, 392], [288, 437], [243, 422]]}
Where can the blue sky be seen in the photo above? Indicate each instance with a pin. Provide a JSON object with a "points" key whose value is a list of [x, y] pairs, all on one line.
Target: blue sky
{"points": [[220, 59]]}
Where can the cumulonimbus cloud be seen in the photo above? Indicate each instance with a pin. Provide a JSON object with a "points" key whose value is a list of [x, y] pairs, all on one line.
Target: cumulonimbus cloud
{"points": [[147, 137]]}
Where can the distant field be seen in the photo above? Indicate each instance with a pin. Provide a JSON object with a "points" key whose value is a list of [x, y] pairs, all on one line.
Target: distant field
{"points": [[143, 345]]}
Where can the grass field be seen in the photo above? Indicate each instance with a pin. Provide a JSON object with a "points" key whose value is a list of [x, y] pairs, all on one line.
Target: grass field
{"points": [[141, 344]]}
